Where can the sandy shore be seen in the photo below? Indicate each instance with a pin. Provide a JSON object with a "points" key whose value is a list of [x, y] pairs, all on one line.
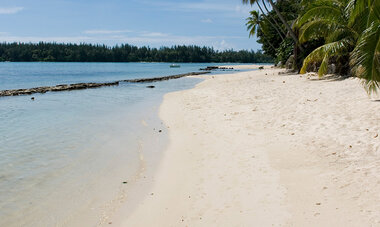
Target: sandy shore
{"points": [[262, 149]]}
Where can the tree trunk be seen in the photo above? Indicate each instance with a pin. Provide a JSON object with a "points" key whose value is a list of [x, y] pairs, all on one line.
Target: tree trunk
{"points": [[294, 37], [295, 65], [270, 44], [274, 26], [265, 6]]}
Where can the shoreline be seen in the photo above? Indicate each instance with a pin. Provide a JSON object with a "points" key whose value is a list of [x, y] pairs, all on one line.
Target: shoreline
{"points": [[258, 148]]}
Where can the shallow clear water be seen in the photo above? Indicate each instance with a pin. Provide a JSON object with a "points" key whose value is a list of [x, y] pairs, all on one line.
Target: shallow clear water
{"points": [[65, 155], [14, 75]]}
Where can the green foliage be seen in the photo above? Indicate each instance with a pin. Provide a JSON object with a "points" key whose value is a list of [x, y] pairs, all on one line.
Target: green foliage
{"points": [[324, 53], [253, 23], [365, 58], [124, 53], [268, 37], [343, 32], [266, 31], [284, 51], [349, 28]]}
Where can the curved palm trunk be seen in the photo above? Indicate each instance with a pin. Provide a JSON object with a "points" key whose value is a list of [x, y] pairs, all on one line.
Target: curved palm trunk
{"points": [[294, 37], [274, 26], [265, 6], [270, 44]]}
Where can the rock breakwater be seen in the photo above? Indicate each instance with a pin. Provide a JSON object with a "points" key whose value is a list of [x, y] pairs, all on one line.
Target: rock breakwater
{"points": [[81, 86], [209, 68]]}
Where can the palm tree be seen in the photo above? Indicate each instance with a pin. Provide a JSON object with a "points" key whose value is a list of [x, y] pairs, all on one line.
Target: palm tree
{"points": [[365, 58], [254, 23], [275, 21], [349, 27], [327, 20], [276, 27], [287, 26]]}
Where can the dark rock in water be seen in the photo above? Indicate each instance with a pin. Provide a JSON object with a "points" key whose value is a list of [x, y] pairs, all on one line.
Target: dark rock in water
{"points": [[61, 87], [32, 98], [154, 79], [150, 86], [209, 68]]}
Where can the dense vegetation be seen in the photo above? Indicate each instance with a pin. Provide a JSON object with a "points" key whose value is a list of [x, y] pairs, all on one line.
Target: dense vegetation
{"points": [[341, 36], [26, 52]]}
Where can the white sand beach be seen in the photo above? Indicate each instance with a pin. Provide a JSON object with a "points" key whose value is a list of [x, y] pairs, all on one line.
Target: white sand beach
{"points": [[262, 149]]}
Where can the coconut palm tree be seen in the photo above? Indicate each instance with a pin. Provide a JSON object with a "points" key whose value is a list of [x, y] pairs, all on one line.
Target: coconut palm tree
{"points": [[349, 27], [278, 13], [365, 58], [326, 19], [254, 23], [275, 26], [273, 19]]}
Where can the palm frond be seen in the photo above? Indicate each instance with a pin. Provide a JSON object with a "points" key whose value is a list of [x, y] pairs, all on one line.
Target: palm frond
{"points": [[249, 1], [315, 29], [365, 58], [324, 65], [320, 12], [358, 12], [363, 12], [323, 53], [355, 9], [340, 32], [253, 22], [374, 11]]}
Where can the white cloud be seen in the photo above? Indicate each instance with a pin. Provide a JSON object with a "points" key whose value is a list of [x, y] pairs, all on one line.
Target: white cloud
{"points": [[204, 6], [105, 32], [222, 45], [217, 6], [242, 9], [121, 33], [11, 10], [207, 21], [154, 34], [225, 9], [36, 39]]}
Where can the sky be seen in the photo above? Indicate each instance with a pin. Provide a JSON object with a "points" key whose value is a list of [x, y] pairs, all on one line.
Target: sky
{"points": [[155, 23]]}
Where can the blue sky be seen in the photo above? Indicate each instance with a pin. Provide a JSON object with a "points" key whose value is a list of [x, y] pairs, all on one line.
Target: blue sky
{"points": [[155, 23]]}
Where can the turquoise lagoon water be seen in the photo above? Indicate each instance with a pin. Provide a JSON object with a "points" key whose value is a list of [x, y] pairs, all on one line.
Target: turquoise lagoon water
{"points": [[15, 75], [65, 155]]}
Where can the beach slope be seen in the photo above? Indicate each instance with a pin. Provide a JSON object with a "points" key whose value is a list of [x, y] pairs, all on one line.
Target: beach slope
{"points": [[262, 149]]}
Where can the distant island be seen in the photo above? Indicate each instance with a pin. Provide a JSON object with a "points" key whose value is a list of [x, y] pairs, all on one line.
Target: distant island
{"points": [[60, 52]]}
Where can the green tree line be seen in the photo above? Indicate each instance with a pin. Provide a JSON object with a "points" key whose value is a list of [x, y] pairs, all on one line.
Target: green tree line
{"points": [[55, 52]]}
